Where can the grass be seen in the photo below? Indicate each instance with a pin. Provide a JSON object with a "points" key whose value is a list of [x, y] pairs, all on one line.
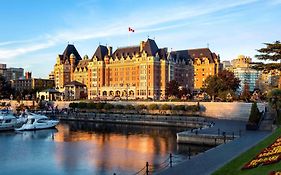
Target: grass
{"points": [[234, 167]]}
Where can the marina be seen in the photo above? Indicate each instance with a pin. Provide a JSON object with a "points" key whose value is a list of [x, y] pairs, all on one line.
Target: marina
{"points": [[90, 148]]}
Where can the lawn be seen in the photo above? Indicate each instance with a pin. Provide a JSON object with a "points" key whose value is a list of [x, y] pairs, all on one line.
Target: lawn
{"points": [[234, 167]]}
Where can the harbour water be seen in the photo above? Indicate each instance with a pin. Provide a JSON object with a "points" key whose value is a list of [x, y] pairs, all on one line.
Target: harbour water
{"points": [[88, 148]]}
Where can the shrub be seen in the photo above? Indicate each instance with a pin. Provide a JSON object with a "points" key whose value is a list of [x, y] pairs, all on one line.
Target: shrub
{"points": [[108, 106], [130, 107], [254, 118], [82, 105], [165, 107], [71, 105], [193, 108], [91, 105], [140, 107], [119, 106], [179, 107], [153, 107], [100, 106], [255, 114]]}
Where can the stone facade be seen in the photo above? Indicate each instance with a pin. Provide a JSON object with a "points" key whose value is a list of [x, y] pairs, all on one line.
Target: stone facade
{"points": [[141, 71], [206, 63]]}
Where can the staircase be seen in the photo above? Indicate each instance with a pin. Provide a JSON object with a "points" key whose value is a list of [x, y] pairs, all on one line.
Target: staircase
{"points": [[267, 122]]}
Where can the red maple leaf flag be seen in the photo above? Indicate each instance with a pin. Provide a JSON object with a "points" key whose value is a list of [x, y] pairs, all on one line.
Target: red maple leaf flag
{"points": [[131, 30]]}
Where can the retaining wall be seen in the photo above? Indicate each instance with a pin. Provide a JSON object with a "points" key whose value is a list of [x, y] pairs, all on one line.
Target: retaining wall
{"points": [[220, 110]]}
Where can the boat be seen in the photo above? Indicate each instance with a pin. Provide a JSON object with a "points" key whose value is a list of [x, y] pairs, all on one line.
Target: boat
{"points": [[37, 121], [8, 121]]}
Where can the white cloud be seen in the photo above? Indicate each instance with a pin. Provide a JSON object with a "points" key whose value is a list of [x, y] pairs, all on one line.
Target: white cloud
{"points": [[144, 22]]}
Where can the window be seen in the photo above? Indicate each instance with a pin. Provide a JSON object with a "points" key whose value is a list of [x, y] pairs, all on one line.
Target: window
{"points": [[8, 121]]}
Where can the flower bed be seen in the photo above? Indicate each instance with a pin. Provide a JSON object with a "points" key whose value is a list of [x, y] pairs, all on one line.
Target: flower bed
{"points": [[269, 155], [275, 172]]}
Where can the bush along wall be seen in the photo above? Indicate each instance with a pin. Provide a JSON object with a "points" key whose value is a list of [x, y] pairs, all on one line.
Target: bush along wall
{"points": [[107, 107], [254, 118]]}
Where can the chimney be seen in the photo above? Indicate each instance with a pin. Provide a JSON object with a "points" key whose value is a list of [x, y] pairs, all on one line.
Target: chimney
{"points": [[27, 75], [109, 50], [142, 45]]}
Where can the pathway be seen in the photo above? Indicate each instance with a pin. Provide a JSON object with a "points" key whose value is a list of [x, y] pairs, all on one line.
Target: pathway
{"points": [[208, 162]]}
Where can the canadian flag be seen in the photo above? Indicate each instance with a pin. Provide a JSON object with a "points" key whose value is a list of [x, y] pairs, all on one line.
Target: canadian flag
{"points": [[131, 30]]}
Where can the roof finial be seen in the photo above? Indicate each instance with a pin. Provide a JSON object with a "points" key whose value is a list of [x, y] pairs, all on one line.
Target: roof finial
{"points": [[208, 45], [147, 36]]}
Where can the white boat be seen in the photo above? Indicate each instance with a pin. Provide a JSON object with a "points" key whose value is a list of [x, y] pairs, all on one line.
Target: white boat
{"points": [[37, 121], [8, 121]]}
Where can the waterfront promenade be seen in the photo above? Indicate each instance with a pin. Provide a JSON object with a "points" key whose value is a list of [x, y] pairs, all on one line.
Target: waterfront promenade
{"points": [[208, 162]]}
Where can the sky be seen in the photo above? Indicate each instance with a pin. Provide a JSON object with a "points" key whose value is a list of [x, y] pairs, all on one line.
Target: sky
{"points": [[33, 32]]}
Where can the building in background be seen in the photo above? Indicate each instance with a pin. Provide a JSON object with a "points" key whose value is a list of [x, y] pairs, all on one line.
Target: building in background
{"points": [[14, 73], [268, 80], [141, 71], [11, 73], [242, 69], [52, 76], [75, 91], [32, 83], [241, 61], [226, 65], [3, 70], [48, 95]]}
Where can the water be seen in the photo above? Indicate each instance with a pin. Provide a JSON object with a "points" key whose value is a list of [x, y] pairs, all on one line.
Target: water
{"points": [[88, 148]]}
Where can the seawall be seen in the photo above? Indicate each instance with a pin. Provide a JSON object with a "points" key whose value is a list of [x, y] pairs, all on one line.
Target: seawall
{"points": [[219, 110]]}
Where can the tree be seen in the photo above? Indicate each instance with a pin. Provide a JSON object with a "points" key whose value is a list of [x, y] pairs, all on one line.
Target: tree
{"points": [[246, 95], [5, 88], [229, 80], [172, 88], [274, 98], [224, 81], [183, 92], [272, 52], [212, 85]]}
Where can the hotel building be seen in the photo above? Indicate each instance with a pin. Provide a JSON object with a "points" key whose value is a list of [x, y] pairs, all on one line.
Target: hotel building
{"points": [[141, 71]]}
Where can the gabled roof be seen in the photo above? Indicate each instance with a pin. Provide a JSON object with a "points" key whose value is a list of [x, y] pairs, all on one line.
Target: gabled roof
{"points": [[101, 52], [126, 51], [75, 83], [70, 49], [202, 52], [151, 47], [181, 55]]}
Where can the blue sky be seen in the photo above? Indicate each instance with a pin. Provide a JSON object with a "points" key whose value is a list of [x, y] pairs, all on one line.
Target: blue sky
{"points": [[33, 32]]}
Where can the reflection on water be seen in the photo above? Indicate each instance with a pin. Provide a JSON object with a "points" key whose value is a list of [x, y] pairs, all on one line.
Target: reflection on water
{"points": [[89, 148]]}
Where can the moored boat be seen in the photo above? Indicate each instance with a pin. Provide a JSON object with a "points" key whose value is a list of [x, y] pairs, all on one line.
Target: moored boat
{"points": [[37, 121], [9, 122]]}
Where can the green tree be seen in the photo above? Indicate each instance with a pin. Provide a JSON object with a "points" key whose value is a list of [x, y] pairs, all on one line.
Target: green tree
{"points": [[271, 52], [213, 85], [274, 98], [224, 81]]}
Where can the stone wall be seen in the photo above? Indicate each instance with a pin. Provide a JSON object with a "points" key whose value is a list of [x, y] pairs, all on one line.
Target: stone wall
{"points": [[220, 110]]}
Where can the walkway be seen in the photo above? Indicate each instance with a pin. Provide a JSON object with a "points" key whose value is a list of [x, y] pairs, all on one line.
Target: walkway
{"points": [[208, 162]]}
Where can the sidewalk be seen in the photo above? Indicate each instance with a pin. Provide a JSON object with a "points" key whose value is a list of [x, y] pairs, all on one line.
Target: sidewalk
{"points": [[208, 162]]}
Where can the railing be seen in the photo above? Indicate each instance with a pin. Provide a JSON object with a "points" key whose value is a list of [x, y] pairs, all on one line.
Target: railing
{"points": [[169, 162]]}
